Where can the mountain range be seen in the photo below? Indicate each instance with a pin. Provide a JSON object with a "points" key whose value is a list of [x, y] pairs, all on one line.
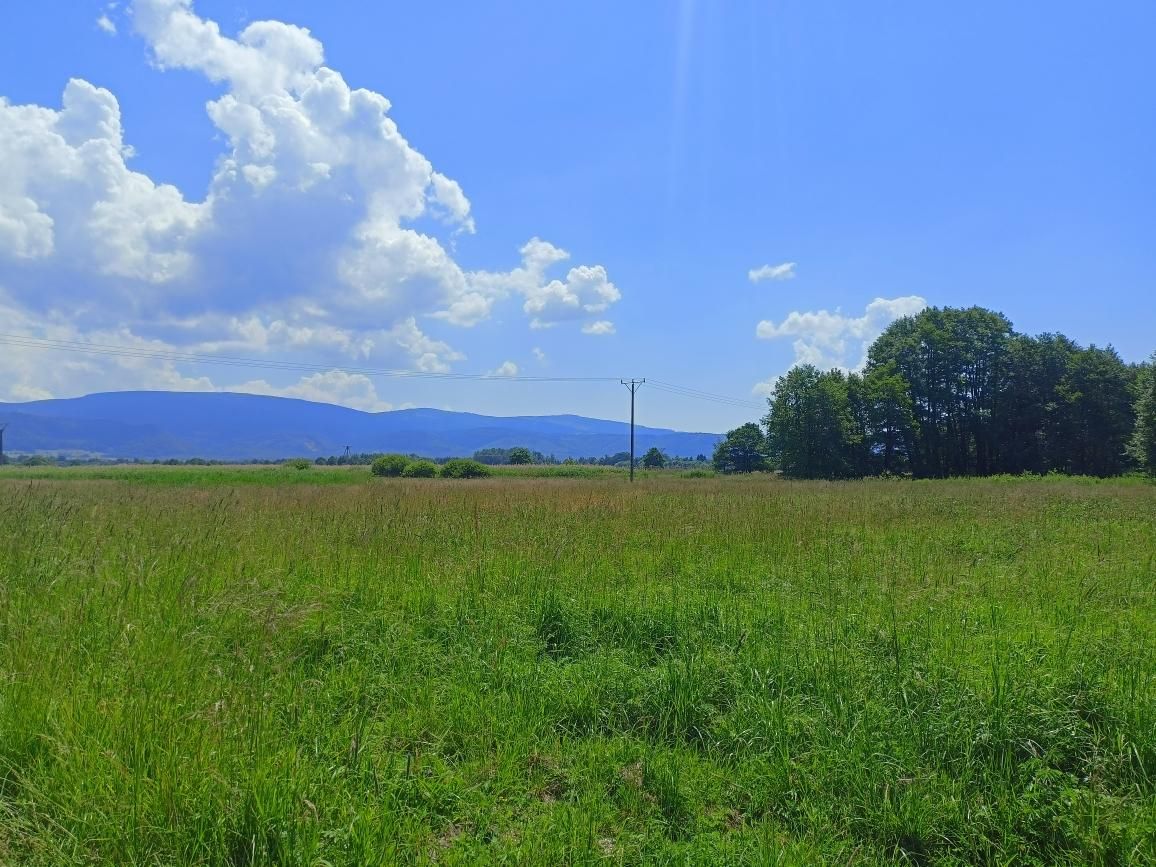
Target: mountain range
{"points": [[226, 426]]}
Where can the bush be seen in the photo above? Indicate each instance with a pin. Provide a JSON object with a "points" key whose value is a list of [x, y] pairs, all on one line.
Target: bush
{"points": [[389, 465], [296, 463], [421, 470], [464, 468]]}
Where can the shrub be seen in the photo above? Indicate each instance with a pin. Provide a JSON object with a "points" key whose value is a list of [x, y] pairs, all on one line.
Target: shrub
{"points": [[464, 468], [298, 463], [421, 470], [389, 465]]}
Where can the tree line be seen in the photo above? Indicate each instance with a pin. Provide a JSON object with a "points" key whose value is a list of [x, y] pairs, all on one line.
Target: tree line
{"points": [[956, 392]]}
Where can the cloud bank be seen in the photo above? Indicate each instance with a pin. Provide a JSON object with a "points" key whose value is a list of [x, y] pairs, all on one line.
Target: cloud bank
{"points": [[828, 340], [325, 234]]}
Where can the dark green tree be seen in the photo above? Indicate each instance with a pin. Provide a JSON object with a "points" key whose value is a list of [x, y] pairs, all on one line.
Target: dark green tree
{"points": [[890, 420], [954, 362], [1029, 415], [1142, 445], [1095, 414], [743, 451], [492, 456], [812, 432], [520, 455], [654, 459]]}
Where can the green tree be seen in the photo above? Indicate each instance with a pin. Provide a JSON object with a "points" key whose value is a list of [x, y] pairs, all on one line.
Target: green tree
{"points": [[1029, 415], [1095, 414], [811, 430], [492, 456], [890, 430], [520, 455], [743, 451], [1142, 445], [954, 362], [654, 459]]}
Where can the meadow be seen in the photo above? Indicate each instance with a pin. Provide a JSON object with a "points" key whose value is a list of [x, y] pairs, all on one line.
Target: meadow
{"points": [[329, 669]]}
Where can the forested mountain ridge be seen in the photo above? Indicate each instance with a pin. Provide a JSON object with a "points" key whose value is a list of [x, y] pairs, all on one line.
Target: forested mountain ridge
{"points": [[958, 392], [227, 426]]}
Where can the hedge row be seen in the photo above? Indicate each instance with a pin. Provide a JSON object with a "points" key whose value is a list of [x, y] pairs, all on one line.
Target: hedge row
{"points": [[400, 465]]}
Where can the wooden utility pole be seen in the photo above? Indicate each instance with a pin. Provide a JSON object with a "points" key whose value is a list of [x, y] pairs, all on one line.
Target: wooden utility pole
{"points": [[633, 385], [2, 460]]}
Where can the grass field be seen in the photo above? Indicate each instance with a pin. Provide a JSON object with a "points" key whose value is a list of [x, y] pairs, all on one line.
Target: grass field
{"points": [[546, 671], [278, 475]]}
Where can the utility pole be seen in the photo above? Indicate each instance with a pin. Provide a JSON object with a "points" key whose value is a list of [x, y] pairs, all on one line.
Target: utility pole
{"points": [[633, 385], [2, 459]]}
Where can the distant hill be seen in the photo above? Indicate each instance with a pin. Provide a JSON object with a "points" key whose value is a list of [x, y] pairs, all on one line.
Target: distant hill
{"points": [[225, 426]]}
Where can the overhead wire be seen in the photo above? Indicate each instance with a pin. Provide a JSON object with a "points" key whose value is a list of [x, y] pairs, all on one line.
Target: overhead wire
{"points": [[176, 356]]}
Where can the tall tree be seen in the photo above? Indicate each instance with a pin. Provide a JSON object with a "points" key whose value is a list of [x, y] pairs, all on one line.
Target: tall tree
{"points": [[890, 420], [1029, 414], [743, 451], [520, 455], [811, 432], [954, 362], [1095, 414], [654, 459], [1142, 445]]}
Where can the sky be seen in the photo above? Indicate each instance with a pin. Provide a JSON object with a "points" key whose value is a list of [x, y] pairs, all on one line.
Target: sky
{"points": [[702, 194]]}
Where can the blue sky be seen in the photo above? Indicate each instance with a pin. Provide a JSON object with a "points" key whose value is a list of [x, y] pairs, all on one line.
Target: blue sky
{"points": [[247, 192]]}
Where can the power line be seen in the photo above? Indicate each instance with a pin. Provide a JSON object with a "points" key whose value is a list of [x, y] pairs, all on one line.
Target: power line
{"points": [[157, 354], [684, 391]]}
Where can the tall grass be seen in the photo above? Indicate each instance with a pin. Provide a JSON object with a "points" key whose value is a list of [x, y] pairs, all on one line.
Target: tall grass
{"points": [[577, 671]]}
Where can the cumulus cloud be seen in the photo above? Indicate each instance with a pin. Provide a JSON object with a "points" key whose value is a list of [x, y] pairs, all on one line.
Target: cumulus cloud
{"points": [[827, 339], [539, 354], [506, 368], [601, 327], [134, 362], [106, 24], [322, 231], [785, 271], [585, 292]]}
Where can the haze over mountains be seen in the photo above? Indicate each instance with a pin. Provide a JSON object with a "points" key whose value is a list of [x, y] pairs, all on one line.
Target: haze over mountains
{"points": [[226, 426]]}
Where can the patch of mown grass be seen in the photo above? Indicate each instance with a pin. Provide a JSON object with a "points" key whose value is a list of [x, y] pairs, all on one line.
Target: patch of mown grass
{"points": [[575, 671]]}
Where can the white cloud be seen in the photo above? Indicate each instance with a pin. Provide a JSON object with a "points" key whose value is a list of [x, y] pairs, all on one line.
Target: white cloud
{"points": [[601, 327], [69, 202], [306, 242], [785, 271], [827, 339], [539, 355], [29, 373], [506, 368], [106, 24], [585, 292], [334, 386]]}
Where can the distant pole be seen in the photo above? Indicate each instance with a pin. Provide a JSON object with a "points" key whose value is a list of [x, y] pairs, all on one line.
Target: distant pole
{"points": [[633, 385], [2, 458]]}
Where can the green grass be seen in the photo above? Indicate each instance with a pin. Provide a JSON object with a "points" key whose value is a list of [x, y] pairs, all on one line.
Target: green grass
{"points": [[276, 474], [552, 671]]}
